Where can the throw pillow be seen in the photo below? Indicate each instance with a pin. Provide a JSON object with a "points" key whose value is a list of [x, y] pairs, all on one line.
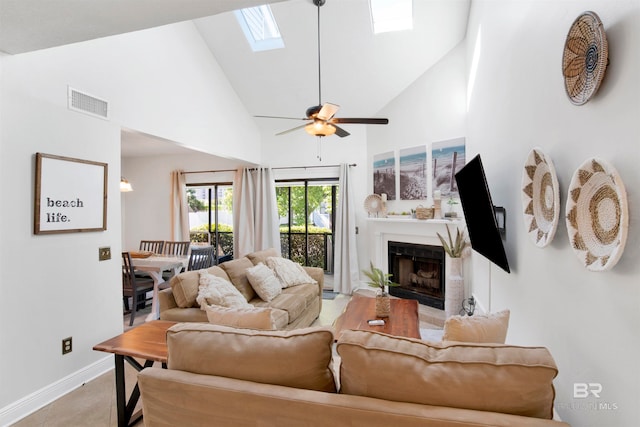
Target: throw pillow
{"points": [[289, 273], [216, 291], [264, 282], [250, 318], [261, 256], [236, 270], [491, 328], [300, 358]]}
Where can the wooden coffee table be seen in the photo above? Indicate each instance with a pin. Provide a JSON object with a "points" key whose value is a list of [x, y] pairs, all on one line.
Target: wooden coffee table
{"points": [[147, 341], [403, 320]]}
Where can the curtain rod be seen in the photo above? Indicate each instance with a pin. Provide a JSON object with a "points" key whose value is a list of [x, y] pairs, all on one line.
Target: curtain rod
{"points": [[282, 167]]}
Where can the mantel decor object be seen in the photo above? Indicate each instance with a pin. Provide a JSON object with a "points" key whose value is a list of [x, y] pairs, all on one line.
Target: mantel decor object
{"points": [[374, 204], [585, 58], [540, 198], [597, 215]]}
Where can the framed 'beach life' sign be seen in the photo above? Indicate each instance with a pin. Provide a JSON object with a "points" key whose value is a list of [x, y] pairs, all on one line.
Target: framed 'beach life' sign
{"points": [[70, 195]]}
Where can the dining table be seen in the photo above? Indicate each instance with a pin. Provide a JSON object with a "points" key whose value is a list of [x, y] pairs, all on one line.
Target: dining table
{"points": [[154, 266]]}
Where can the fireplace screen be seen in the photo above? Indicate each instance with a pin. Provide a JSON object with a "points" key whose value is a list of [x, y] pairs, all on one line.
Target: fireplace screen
{"points": [[419, 269]]}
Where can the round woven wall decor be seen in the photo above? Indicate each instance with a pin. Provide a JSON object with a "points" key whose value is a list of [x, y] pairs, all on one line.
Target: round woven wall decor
{"points": [[540, 198], [585, 58], [597, 215]]}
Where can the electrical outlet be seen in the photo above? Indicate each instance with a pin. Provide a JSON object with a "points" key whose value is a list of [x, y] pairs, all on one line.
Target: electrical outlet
{"points": [[104, 253], [67, 345]]}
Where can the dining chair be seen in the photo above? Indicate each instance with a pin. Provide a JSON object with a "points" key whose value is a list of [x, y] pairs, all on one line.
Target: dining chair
{"points": [[133, 287], [201, 258], [176, 248], [154, 246]]}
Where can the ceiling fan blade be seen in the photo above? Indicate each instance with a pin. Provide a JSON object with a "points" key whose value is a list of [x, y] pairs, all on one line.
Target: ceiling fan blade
{"points": [[291, 130], [340, 132], [327, 111], [278, 117], [363, 121]]}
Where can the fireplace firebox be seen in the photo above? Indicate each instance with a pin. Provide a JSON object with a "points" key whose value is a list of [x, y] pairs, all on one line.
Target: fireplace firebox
{"points": [[419, 269]]}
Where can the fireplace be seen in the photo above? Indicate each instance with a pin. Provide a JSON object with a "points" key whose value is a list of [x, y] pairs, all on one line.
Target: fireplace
{"points": [[419, 269]]}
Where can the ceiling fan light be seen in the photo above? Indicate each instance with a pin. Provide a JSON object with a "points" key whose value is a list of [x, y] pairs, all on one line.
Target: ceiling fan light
{"points": [[319, 128]]}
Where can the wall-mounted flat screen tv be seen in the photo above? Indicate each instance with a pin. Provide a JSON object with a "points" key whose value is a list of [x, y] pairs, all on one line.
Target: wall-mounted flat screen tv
{"points": [[479, 213]]}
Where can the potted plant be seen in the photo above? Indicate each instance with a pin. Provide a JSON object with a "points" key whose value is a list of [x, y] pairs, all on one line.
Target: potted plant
{"points": [[454, 249], [380, 280], [451, 202]]}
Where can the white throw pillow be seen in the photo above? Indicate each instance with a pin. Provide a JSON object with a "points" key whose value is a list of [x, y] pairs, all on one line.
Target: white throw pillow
{"points": [[214, 290], [491, 328], [247, 318], [289, 273], [264, 282]]}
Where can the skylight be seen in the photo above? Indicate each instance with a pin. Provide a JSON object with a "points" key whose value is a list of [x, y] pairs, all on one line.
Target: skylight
{"points": [[260, 28], [391, 15]]}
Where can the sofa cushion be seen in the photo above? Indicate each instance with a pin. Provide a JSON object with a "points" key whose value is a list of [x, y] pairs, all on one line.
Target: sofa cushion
{"points": [[299, 358], [288, 272], [486, 377], [185, 286], [264, 282], [261, 256], [216, 291], [237, 272], [251, 317], [491, 328], [293, 304]]}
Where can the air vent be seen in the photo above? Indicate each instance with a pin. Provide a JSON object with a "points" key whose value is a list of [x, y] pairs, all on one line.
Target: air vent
{"points": [[87, 104]]}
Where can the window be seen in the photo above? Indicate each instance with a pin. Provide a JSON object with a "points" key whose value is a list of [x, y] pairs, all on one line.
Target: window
{"points": [[307, 221], [391, 15], [211, 216], [260, 28]]}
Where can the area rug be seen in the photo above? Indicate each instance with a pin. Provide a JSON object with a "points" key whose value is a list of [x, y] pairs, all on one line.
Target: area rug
{"points": [[329, 295]]}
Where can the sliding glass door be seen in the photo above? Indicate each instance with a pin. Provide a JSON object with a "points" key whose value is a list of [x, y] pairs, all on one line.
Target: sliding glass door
{"points": [[306, 210], [211, 216]]}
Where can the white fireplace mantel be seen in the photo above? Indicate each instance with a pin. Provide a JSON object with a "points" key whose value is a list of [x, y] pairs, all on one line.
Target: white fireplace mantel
{"points": [[418, 231]]}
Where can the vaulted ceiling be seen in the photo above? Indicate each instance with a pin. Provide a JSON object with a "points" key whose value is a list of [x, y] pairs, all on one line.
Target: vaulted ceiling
{"points": [[361, 71]]}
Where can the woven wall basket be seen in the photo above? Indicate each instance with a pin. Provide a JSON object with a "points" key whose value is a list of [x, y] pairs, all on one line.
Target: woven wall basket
{"points": [[597, 215], [585, 58], [540, 198]]}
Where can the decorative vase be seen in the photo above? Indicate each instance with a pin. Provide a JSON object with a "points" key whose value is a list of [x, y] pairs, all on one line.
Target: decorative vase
{"points": [[454, 291], [383, 305]]}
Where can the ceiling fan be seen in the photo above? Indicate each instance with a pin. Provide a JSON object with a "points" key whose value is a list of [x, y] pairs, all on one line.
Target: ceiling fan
{"points": [[320, 119]]}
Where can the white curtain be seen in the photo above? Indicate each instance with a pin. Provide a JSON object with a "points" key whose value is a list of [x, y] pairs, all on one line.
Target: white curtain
{"points": [[255, 212], [179, 208], [346, 273]]}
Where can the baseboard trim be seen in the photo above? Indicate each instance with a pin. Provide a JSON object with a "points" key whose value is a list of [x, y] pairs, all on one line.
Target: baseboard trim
{"points": [[16, 411]]}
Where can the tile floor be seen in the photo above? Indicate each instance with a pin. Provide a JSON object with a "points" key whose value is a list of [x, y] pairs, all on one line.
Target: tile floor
{"points": [[93, 404]]}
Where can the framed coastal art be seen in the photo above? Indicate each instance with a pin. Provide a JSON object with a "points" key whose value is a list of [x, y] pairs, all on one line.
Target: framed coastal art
{"points": [[413, 173], [384, 174], [447, 158], [70, 195]]}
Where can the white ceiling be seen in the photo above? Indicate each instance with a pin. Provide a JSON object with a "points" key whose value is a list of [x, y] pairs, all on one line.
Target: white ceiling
{"points": [[361, 72]]}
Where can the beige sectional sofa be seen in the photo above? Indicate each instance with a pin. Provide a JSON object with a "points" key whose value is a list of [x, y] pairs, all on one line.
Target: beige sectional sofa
{"points": [[296, 307], [224, 376]]}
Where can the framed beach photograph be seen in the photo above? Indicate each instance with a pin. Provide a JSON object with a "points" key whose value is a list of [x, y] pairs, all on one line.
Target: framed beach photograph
{"points": [[70, 195], [447, 157], [384, 174], [413, 173]]}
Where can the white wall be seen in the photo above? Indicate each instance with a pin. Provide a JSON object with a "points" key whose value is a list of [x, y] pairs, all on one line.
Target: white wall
{"points": [[163, 82], [588, 320]]}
